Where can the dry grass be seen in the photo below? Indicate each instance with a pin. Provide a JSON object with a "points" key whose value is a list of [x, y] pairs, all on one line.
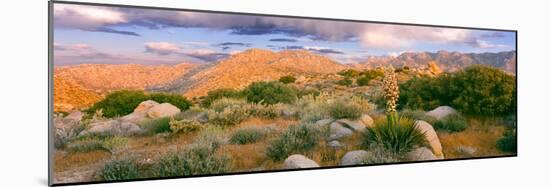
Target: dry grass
{"points": [[480, 136], [67, 161]]}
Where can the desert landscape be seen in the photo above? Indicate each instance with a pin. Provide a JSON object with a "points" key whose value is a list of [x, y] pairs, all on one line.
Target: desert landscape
{"points": [[266, 108]]}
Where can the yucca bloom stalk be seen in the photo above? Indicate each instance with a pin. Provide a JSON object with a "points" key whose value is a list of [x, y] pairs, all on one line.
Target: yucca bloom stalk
{"points": [[391, 94]]}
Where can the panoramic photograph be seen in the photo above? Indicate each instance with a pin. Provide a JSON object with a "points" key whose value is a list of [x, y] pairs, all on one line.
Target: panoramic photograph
{"points": [[141, 93]]}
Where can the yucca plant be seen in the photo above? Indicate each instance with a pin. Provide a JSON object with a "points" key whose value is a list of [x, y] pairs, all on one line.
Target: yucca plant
{"points": [[398, 136]]}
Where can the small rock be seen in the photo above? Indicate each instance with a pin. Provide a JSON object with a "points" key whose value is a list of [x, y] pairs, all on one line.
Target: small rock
{"points": [[299, 161], [113, 128], [285, 113], [163, 110], [335, 144], [202, 117], [367, 120], [431, 137], [145, 106], [337, 131], [354, 158], [420, 154], [441, 112], [356, 125], [466, 150]]}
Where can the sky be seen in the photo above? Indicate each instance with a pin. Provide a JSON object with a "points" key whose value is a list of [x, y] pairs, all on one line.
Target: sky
{"points": [[117, 35]]}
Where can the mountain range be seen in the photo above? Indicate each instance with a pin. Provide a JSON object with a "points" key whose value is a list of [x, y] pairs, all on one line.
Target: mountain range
{"points": [[79, 86]]}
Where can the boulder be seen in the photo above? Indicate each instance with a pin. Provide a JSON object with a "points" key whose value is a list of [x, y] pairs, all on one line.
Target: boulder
{"points": [[299, 161], [355, 125], [202, 117], [367, 120], [466, 150], [163, 110], [354, 158], [335, 144], [285, 113], [337, 131], [112, 128], [323, 122], [75, 116], [145, 106], [134, 117], [431, 137], [441, 112], [420, 154]]}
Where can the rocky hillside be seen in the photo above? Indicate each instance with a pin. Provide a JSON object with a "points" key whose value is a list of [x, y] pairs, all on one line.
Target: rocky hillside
{"points": [[448, 61], [106, 77], [68, 95], [252, 65]]}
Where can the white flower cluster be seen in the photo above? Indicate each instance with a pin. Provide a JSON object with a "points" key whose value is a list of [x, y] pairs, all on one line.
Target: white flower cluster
{"points": [[391, 89]]}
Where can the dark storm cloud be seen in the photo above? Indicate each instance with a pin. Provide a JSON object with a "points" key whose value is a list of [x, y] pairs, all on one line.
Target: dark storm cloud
{"points": [[283, 40]]}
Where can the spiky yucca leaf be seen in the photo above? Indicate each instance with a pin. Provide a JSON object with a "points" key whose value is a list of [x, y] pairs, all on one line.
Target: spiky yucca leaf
{"points": [[397, 137]]}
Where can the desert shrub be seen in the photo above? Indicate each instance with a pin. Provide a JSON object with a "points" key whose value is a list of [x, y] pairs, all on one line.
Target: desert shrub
{"points": [[229, 116], [483, 91], [373, 73], [451, 123], [120, 169], [417, 115], [118, 103], [398, 138], [345, 82], [222, 103], [184, 126], [311, 108], [287, 79], [174, 99], [159, 125], [308, 91], [94, 143], [264, 111], [508, 143], [341, 109], [218, 94], [364, 104], [295, 140], [247, 135], [195, 160], [211, 136], [378, 154], [270, 93], [349, 73], [85, 145]]}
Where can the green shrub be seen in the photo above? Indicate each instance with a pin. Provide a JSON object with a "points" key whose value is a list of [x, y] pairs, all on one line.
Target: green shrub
{"points": [[363, 81], [120, 169], [195, 160], [184, 126], [174, 99], [379, 155], [311, 108], [398, 139], [270, 93], [508, 143], [159, 125], [247, 135], [94, 143], [341, 109], [287, 79], [476, 90], [264, 111], [218, 94], [308, 91], [345, 82], [451, 123], [113, 144], [295, 140], [349, 73], [483, 91], [118, 103]]}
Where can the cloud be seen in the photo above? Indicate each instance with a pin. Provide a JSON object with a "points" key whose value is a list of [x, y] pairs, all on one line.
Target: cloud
{"points": [[399, 37], [162, 48], [315, 49], [224, 44], [89, 18], [207, 55], [283, 40], [492, 35], [485, 44]]}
